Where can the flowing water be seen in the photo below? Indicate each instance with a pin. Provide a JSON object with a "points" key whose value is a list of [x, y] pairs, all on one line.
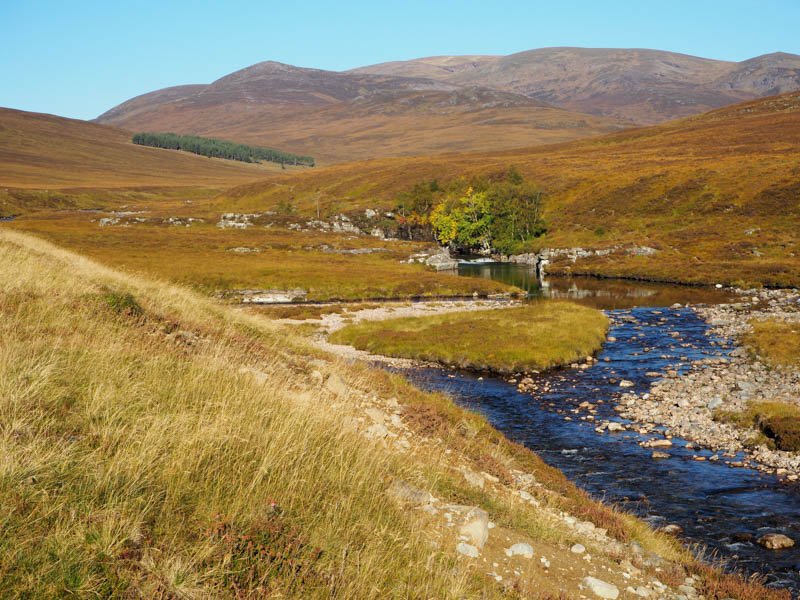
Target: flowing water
{"points": [[724, 509]]}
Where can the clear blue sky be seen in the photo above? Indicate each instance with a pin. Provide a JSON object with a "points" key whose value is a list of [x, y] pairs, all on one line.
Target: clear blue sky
{"points": [[79, 58]]}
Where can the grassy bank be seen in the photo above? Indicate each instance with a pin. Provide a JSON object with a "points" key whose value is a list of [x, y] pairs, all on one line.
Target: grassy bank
{"points": [[325, 265], [527, 338], [776, 342], [774, 424]]}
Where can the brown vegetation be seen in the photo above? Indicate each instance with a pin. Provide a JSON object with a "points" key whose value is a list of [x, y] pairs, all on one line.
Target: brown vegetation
{"points": [[45, 152], [715, 194]]}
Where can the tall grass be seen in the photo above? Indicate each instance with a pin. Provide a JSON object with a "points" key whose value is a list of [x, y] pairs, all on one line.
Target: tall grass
{"points": [[131, 464]]}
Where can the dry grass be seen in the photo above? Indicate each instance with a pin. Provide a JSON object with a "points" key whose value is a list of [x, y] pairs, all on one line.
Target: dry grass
{"points": [[776, 342], [201, 256], [134, 464], [388, 124], [44, 151], [533, 337]]}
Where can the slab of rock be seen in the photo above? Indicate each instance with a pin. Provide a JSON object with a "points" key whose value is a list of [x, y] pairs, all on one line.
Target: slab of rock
{"points": [[467, 550], [472, 478], [475, 526], [524, 550], [600, 588], [775, 541], [335, 385], [405, 493], [442, 261]]}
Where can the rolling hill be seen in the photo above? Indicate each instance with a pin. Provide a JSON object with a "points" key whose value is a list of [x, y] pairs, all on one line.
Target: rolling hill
{"points": [[637, 85], [716, 194], [45, 151], [338, 117]]}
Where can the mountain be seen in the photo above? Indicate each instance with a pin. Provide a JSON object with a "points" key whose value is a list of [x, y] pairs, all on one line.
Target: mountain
{"points": [[638, 85], [716, 194], [337, 117], [45, 151]]}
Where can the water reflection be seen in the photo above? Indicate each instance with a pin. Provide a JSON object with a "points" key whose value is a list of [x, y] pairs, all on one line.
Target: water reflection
{"points": [[607, 294]]}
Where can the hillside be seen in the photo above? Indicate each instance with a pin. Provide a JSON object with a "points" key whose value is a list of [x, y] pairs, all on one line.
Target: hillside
{"points": [[45, 151], [338, 117], [638, 85], [716, 194]]}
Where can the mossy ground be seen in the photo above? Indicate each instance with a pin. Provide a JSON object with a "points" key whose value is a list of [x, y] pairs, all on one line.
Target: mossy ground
{"points": [[533, 337]]}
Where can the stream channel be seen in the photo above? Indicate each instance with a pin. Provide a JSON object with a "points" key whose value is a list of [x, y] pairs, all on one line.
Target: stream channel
{"points": [[717, 507]]}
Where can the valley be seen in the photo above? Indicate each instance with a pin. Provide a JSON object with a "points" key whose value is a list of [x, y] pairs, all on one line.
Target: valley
{"points": [[488, 326]]}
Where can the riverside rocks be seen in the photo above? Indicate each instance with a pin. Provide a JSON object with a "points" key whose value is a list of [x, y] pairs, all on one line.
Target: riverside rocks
{"points": [[687, 405]]}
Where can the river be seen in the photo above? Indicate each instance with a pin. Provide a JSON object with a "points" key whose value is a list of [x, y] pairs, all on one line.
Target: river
{"points": [[720, 508]]}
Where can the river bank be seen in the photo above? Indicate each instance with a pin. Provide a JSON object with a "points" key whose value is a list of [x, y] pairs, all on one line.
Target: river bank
{"points": [[689, 406]]}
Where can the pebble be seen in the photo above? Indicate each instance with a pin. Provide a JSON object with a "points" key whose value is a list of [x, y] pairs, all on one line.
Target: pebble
{"points": [[520, 549]]}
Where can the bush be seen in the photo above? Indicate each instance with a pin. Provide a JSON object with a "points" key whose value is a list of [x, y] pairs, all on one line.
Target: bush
{"points": [[124, 304]]}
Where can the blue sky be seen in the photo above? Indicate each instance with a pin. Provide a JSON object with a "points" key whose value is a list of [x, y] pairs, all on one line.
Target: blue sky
{"points": [[78, 59]]}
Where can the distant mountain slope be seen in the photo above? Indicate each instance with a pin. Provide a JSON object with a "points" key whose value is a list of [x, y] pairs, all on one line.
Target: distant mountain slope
{"points": [[639, 85], [45, 151], [717, 194], [338, 117]]}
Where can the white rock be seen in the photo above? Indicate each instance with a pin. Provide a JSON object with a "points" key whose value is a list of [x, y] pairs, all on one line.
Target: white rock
{"points": [[600, 588], [476, 526], [520, 549], [468, 550], [578, 549]]}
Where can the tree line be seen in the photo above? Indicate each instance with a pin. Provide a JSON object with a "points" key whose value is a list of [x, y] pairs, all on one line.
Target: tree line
{"points": [[481, 214], [219, 148]]}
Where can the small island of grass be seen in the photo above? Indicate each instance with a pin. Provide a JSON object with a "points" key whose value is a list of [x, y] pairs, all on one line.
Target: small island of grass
{"points": [[521, 339]]}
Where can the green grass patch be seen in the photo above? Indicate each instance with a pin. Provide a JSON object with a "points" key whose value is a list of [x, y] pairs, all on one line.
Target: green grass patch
{"points": [[776, 342], [776, 424], [527, 338]]}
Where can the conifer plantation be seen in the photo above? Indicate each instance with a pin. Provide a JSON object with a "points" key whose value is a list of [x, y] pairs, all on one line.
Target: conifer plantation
{"points": [[214, 148]]}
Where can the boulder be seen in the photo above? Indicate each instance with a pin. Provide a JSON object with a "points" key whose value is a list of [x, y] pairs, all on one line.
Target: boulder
{"points": [[520, 549], [336, 385], [405, 493], [600, 588], [775, 541], [475, 526], [467, 550], [442, 261]]}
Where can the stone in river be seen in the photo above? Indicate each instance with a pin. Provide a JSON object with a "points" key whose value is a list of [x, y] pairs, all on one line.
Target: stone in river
{"points": [[775, 541], [660, 455]]}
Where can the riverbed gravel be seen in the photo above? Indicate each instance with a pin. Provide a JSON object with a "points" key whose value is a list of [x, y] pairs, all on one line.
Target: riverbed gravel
{"points": [[685, 405]]}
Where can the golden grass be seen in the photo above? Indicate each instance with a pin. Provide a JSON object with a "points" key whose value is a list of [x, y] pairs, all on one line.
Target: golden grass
{"points": [[527, 338], [201, 256], [45, 151], [776, 342]]}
